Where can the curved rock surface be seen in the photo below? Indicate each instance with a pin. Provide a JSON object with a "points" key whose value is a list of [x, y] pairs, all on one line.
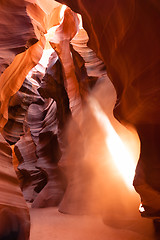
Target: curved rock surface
{"points": [[15, 30], [44, 134], [18, 108], [13, 77], [32, 179]]}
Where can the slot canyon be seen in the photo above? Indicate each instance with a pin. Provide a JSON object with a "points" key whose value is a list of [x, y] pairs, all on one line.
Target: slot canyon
{"points": [[79, 119]]}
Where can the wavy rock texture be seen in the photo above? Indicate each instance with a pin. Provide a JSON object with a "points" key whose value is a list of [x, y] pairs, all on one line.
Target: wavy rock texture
{"points": [[15, 30], [13, 77], [42, 118], [90, 63], [52, 86], [43, 126], [61, 44], [14, 214], [36, 155], [43, 19], [32, 179], [126, 36], [18, 108]]}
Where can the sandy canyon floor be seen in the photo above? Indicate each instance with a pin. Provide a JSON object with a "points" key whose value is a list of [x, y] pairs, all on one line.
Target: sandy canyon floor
{"points": [[50, 224]]}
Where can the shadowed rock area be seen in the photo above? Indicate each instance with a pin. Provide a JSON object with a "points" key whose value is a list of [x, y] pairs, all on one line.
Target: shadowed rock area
{"points": [[14, 214]]}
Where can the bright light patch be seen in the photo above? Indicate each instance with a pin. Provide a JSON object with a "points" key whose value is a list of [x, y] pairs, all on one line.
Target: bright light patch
{"points": [[80, 21], [51, 36], [123, 159], [62, 11], [45, 57], [141, 208], [41, 66]]}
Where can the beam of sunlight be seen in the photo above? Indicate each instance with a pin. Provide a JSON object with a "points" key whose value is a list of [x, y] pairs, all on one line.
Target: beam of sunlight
{"points": [[122, 157]]}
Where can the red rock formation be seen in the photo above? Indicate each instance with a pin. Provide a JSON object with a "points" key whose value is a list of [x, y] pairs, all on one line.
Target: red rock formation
{"points": [[13, 77], [16, 29], [122, 38], [41, 20], [126, 36], [61, 44], [17, 110], [43, 126], [52, 86], [32, 179]]}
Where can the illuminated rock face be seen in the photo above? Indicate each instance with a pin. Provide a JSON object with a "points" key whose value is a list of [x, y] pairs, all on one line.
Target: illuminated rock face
{"points": [[126, 36]]}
